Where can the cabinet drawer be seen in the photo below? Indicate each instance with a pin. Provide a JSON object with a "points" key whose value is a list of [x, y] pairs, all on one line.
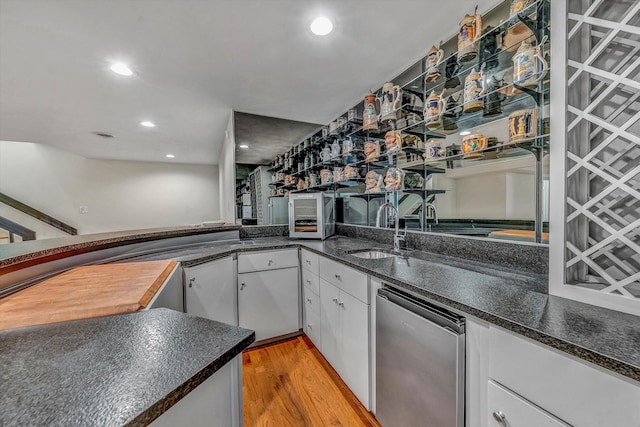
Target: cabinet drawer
{"points": [[309, 261], [312, 326], [562, 385], [311, 300], [508, 409], [311, 281], [349, 280], [268, 260]]}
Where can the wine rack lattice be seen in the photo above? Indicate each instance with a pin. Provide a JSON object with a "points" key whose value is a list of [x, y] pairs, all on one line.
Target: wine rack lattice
{"points": [[602, 227]]}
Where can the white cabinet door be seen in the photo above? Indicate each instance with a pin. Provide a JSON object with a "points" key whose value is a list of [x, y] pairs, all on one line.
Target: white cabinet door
{"points": [[312, 326], [354, 346], [508, 409], [267, 260], [210, 290], [329, 297], [268, 302]]}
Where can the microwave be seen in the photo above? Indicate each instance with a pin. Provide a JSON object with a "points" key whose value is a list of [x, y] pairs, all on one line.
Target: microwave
{"points": [[311, 216]]}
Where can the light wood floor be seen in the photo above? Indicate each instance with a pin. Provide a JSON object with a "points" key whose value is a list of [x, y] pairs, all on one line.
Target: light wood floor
{"points": [[290, 384]]}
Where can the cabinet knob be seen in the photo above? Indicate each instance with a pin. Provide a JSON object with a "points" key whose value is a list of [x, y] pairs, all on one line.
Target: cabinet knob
{"points": [[193, 279], [500, 418], [309, 300], [337, 276], [334, 300], [270, 262], [308, 281], [242, 286], [341, 304], [310, 326], [308, 262]]}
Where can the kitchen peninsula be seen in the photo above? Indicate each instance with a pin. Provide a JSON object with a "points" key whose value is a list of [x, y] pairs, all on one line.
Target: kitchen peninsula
{"points": [[494, 294]]}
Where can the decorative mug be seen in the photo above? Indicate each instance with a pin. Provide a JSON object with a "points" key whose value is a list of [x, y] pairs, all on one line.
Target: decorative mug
{"points": [[393, 179], [473, 91], [470, 32], [412, 141], [325, 156], [390, 98], [451, 113], [373, 182], [432, 64], [338, 174], [433, 150], [325, 132], [451, 73], [350, 172], [313, 180], [392, 141], [489, 48], [473, 145], [523, 125], [529, 65], [335, 149], [301, 184], [333, 128], [369, 115], [433, 108], [371, 151], [493, 98], [326, 177]]}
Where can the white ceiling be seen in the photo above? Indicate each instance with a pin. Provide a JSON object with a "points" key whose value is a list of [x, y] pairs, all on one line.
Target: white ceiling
{"points": [[195, 61]]}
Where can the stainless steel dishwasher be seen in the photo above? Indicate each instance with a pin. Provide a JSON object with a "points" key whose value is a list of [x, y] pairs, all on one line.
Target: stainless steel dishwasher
{"points": [[420, 359]]}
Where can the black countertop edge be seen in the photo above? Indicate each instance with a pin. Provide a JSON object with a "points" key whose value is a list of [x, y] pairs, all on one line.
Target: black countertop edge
{"points": [[176, 395], [43, 250], [566, 345]]}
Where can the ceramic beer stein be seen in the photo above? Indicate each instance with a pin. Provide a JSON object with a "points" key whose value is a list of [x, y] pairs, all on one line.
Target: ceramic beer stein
{"points": [[433, 150], [313, 180], [473, 91], [523, 125], [392, 141], [373, 182], [432, 65], [433, 108], [393, 179], [473, 145], [338, 174], [369, 115], [451, 113], [335, 149], [470, 32], [350, 172], [451, 73], [326, 177], [325, 156], [529, 65], [390, 100], [493, 97]]}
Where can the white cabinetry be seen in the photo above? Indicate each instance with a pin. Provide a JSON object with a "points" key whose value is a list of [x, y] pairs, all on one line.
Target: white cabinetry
{"points": [[217, 401], [210, 290], [571, 390], [268, 293], [344, 316], [170, 294], [312, 324]]}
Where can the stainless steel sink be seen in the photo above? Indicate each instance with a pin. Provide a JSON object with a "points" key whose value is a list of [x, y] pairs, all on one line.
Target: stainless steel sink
{"points": [[373, 254]]}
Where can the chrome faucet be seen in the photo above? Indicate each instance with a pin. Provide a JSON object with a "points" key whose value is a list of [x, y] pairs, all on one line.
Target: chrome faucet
{"points": [[397, 237], [423, 215]]}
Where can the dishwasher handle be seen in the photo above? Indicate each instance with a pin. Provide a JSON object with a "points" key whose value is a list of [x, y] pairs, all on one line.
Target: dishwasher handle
{"points": [[436, 314]]}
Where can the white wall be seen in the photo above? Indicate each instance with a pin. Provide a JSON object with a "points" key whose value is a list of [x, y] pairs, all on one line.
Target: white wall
{"points": [[227, 177], [120, 195]]}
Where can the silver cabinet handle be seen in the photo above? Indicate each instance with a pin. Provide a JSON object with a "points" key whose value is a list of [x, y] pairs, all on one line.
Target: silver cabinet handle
{"points": [[270, 262], [500, 418], [308, 281], [309, 325], [308, 262], [193, 279], [337, 276], [334, 300], [242, 286], [309, 300], [341, 304]]}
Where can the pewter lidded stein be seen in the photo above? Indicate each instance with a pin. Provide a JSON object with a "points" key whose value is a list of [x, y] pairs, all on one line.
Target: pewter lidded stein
{"points": [[470, 32]]}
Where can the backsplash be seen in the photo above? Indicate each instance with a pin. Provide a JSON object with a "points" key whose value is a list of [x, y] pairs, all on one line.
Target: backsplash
{"points": [[257, 231], [526, 257]]}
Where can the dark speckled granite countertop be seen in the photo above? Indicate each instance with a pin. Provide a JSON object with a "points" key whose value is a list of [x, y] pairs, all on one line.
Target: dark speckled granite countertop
{"points": [[118, 370], [502, 296]]}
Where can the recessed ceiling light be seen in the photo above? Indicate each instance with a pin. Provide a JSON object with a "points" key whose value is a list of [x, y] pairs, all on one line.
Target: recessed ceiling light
{"points": [[243, 146], [321, 26], [148, 124], [170, 156], [122, 69], [465, 133]]}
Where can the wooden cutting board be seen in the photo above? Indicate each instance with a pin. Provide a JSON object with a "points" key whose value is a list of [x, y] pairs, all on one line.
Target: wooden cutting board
{"points": [[84, 292]]}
